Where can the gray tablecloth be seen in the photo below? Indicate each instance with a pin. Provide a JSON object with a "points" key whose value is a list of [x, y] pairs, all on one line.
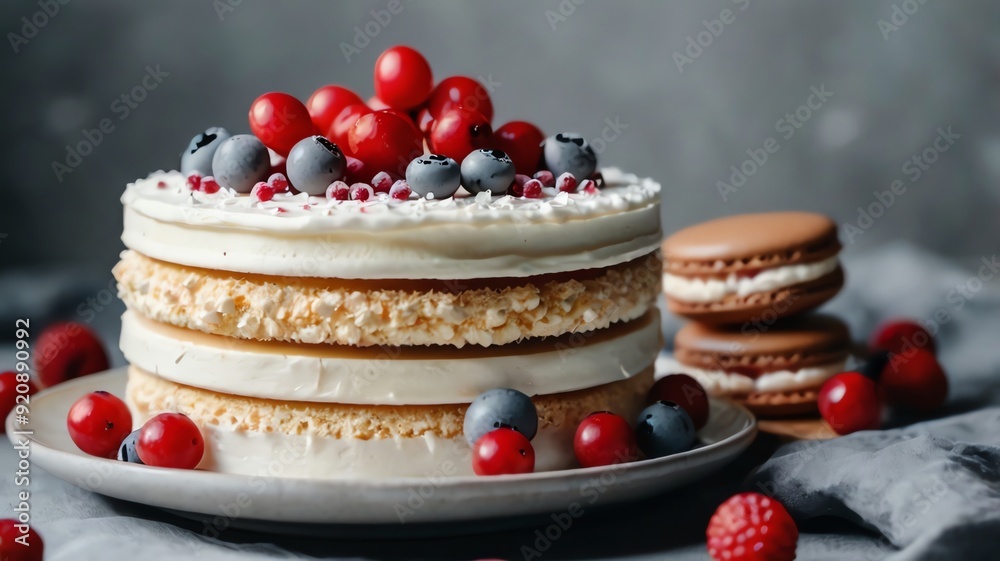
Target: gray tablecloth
{"points": [[917, 491]]}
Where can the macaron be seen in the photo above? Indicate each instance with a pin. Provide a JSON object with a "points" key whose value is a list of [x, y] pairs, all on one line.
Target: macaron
{"points": [[773, 368], [752, 267]]}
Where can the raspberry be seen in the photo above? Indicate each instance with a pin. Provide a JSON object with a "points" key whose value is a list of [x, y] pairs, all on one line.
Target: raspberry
{"points": [[751, 527]]}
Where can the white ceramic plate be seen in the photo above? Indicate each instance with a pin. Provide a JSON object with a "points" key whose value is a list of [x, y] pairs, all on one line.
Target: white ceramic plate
{"points": [[249, 500]]}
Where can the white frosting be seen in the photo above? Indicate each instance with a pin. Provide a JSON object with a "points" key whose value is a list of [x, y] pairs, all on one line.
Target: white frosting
{"points": [[719, 382], [428, 456], [695, 289], [225, 365], [463, 237]]}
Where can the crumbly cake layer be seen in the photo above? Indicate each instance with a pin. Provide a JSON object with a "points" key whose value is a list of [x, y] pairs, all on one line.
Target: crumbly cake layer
{"points": [[359, 313]]}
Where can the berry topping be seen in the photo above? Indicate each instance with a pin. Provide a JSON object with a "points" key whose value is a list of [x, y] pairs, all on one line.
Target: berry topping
{"points": [[197, 157], [533, 189], [343, 123], [193, 181], [170, 440], [209, 185], [460, 92], [161, 184], [569, 152], [501, 452], [663, 429], [127, 452], [279, 182], [382, 182], [546, 177], [457, 132], [20, 542], [517, 187], [400, 191], [338, 191], [98, 423], [498, 408], [240, 162], [684, 391], [12, 385], [279, 121], [487, 170], [914, 380], [361, 192], [523, 142], [751, 527], [589, 187], [314, 163], [327, 102], [900, 336], [435, 175], [850, 402], [403, 77], [566, 183], [262, 192], [385, 142], [68, 350], [603, 439]]}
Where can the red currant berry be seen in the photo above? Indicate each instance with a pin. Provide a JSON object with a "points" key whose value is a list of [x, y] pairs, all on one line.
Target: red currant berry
{"points": [[914, 380], [338, 191], [603, 439], [901, 335], [209, 185], [532, 189], [279, 121], [752, 527], [503, 451], [400, 190], [342, 123], [521, 141], [279, 182], [361, 192], [10, 389], [382, 182], [424, 121], [686, 392], [546, 177], [403, 77], [850, 402], [327, 102], [385, 142], [566, 182], [460, 92], [458, 132], [66, 351], [18, 546], [262, 192], [170, 440], [98, 423]]}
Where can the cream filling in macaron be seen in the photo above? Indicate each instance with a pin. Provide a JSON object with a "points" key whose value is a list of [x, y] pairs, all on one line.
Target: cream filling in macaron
{"points": [[719, 382], [695, 289]]}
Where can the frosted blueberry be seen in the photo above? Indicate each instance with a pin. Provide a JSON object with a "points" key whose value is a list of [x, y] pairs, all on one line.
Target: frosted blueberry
{"points": [[569, 153], [434, 174], [197, 157], [313, 164], [240, 162], [663, 429], [487, 170], [498, 408], [127, 452]]}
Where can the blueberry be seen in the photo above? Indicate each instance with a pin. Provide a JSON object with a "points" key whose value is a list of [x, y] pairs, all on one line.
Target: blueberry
{"points": [[314, 163], [127, 452], [569, 152], [872, 368], [487, 170], [663, 429], [434, 174], [240, 162], [500, 408], [197, 157]]}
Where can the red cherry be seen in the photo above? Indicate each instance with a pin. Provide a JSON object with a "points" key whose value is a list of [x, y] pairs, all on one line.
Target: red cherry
{"points": [[377, 104], [914, 380], [385, 142], [342, 123], [686, 392], [521, 141], [327, 102], [403, 77], [68, 350], [901, 335], [603, 439], [401, 114], [356, 172], [532, 189], [503, 451], [30, 546], [460, 92], [458, 132], [424, 120], [850, 402], [170, 440], [10, 389], [280, 120], [98, 423]]}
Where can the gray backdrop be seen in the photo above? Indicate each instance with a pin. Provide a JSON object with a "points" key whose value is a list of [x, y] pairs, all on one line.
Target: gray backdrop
{"points": [[695, 87]]}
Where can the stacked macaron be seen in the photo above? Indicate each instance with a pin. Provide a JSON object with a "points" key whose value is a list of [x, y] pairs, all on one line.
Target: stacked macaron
{"points": [[748, 282]]}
